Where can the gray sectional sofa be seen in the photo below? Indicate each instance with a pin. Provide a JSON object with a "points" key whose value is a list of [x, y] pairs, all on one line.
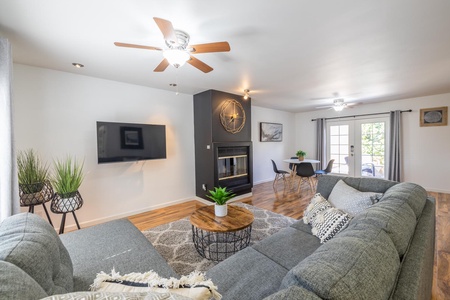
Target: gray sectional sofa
{"points": [[386, 252]]}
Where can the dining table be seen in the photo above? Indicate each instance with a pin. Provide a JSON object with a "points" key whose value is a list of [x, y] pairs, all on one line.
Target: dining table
{"points": [[295, 162]]}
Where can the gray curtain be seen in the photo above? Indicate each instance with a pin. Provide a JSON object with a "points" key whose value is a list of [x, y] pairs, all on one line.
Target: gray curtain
{"points": [[9, 194], [395, 151], [322, 142]]}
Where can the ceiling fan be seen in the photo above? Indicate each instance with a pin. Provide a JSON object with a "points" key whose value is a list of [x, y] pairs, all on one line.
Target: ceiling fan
{"points": [[338, 105], [178, 49]]}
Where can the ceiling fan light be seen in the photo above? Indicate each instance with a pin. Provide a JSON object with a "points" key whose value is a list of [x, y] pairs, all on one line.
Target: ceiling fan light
{"points": [[176, 57], [338, 107]]}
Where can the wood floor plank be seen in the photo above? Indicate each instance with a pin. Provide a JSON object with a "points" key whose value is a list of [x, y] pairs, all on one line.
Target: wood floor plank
{"points": [[288, 202]]}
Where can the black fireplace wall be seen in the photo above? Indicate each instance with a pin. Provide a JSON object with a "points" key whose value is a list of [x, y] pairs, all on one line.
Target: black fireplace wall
{"points": [[210, 136]]}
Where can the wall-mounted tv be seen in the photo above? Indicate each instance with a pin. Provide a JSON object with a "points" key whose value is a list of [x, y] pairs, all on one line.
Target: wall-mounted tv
{"points": [[118, 142]]}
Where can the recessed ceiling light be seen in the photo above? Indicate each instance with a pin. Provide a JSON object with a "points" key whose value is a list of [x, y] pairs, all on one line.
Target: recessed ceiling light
{"points": [[78, 65]]}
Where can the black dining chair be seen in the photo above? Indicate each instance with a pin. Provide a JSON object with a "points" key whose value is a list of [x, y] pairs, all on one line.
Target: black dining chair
{"points": [[327, 169], [279, 174], [291, 166], [306, 172]]}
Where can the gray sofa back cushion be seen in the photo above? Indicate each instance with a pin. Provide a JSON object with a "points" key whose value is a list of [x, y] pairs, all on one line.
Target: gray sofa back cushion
{"points": [[31, 244], [16, 284], [366, 184], [412, 194], [395, 213], [359, 263]]}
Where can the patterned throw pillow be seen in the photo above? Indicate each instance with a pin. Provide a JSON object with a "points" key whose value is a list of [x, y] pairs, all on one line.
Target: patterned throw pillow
{"points": [[317, 205], [351, 200], [328, 223], [115, 296], [193, 286]]}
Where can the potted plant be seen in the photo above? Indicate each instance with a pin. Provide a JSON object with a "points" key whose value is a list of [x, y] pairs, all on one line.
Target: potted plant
{"points": [[220, 196], [66, 181], [32, 175], [301, 155]]}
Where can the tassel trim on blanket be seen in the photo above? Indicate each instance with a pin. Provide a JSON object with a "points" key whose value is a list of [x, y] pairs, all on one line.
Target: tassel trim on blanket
{"points": [[152, 279]]}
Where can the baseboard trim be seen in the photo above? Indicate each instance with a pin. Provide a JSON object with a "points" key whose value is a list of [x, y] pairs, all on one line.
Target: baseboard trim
{"points": [[73, 227]]}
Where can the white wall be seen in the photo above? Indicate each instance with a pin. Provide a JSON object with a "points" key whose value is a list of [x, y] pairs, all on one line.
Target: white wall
{"points": [[56, 114], [426, 149], [263, 152]]}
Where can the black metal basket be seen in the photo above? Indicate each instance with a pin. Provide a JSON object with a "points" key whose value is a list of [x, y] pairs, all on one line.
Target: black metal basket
{"points": [[70, 203], [35, 193]]}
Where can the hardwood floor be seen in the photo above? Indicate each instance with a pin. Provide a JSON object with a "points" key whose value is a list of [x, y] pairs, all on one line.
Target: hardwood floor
{"points": [[290, 203]]}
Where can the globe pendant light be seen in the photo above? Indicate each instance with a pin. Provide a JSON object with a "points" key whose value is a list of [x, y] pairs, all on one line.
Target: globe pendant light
{"points": [[176, 57]]}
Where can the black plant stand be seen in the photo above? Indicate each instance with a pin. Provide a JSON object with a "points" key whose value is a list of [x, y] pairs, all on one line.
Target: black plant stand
{"points": [[36, 194], [65, 205]]}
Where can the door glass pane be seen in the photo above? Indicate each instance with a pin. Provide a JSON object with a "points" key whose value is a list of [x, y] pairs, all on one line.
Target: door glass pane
{"points": [[339, 148], [373, 149]]}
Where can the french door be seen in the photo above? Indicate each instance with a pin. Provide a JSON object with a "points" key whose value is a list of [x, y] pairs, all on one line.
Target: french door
{"points": [[359, 147]]}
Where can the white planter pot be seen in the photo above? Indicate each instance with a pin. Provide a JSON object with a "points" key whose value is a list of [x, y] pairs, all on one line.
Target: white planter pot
{"points": [[67, 204], [220, 210]]}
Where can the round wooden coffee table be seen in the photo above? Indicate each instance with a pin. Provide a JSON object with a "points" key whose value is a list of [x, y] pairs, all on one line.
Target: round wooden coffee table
{"points": [[217, 238]]}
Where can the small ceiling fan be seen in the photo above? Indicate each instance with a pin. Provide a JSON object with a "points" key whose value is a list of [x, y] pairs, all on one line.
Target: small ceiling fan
{"points": [[338, 105], [178, 49]]}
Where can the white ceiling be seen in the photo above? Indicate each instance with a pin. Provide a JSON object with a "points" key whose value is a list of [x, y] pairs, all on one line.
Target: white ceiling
{"points": [[286, 52]]}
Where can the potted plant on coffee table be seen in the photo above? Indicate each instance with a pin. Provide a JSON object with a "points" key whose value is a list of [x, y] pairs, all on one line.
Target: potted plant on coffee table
{"points": [[301, 155], [67, 178], [220, 196]]}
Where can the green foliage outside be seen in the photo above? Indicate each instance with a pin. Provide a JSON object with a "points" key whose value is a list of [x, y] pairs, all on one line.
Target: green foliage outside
{"points": [[220, 195], [373, 142]]}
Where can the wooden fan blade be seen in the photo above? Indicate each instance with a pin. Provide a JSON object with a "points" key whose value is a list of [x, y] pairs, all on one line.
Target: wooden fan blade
{"points": [[167, 31], [162, 66], [199, 65], [211, 47], [136, 46]]}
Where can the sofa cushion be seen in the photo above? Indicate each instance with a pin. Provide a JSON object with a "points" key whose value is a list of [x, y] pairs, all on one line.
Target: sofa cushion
{"points": [[415, 278], [414, 195], [117, 244], [248, 275], [293, 293], [288, 246], [394, 213], [300, 225], [30, 243], [16, 284], [360, 263], [350, 199]]}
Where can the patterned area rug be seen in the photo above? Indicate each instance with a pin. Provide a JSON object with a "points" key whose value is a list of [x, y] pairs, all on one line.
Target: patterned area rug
{"points": [[174, 240]]}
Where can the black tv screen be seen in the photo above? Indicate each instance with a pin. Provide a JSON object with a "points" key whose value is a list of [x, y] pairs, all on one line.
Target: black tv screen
{"points": [[130, 142]]}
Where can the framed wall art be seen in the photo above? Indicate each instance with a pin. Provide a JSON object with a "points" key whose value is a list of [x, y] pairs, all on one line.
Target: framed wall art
{"points": [[436, 116], [271, 132]]}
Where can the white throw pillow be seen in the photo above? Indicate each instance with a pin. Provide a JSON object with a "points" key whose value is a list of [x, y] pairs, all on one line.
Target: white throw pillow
{"points": [[350, 200], [194, 285]]}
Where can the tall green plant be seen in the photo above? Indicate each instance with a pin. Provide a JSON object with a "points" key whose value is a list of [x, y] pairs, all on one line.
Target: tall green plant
{"points": [[31, 172], [220, 195], [68, 177]]}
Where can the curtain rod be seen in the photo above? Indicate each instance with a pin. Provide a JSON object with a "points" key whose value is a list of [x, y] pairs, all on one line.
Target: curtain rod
{"points": [[363, 115]]}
